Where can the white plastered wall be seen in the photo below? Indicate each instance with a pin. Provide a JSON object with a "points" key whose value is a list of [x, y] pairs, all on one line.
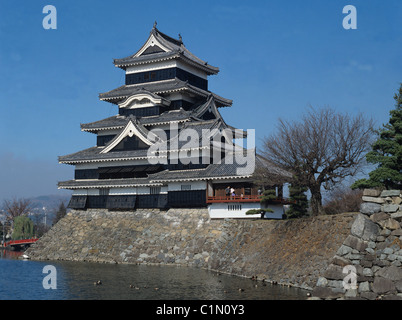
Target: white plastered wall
{"points": [[238, 210]]}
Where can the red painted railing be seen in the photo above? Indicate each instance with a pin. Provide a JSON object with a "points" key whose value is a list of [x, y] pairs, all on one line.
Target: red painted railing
{"points": [[214, 199], [247, 198]]}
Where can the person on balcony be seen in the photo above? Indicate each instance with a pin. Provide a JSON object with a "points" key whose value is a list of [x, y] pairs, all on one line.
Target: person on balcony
{"points": [[227, 192]]}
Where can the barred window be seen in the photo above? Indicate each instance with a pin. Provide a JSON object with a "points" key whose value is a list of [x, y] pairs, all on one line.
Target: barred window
{"points": [[234, 207], [104, 192], [155, 190]]}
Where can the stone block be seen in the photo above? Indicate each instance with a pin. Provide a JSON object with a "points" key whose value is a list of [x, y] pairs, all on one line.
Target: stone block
{"points": [[391, 257], [392, 273], [322, 282], [343, 250], [390, 193], [370, 257], [379, 216], [355, 243], [397, 215], [382, 262], [351, 293], [373, 199], [398, 286], [397, 232], [385, 232], [371, 192], [397, 200], [336, 284], [383, 286], [380, 239], [370, 208], [340, 261], [354, 256], [367, 272], [368, 295], [370, 250], [364, 286], [390, 208], [334, 272], [390, 224], [364, 228]]}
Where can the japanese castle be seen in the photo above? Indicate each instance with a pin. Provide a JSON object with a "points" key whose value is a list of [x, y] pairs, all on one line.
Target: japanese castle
{"points": [[168, 146]]}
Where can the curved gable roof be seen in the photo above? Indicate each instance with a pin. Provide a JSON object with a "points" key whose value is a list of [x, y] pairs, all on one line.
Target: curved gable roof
{"points": [[166, 48]]}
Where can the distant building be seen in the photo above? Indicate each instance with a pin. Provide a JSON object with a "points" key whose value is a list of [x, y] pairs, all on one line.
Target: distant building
{"points": [[168, 146]]}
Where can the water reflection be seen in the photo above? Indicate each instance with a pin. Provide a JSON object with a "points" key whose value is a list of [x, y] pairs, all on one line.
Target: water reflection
{"points": [[9, 254], [76, 280]]}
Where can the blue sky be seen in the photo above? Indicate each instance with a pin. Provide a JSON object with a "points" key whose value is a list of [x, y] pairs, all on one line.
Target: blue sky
{"points": [[275, 57]]}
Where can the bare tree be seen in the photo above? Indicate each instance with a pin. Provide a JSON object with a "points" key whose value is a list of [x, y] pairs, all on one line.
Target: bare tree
{"points": [[320, 149], [343, 199], [16, 207], [268, 174]]}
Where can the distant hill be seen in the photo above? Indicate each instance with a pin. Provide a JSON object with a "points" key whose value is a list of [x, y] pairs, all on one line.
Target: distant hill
{"points": [[50, 202], [45, 207]]}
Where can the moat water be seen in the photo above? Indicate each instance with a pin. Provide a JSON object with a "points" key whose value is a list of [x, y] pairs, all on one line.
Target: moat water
{"points": [[54, 280]]}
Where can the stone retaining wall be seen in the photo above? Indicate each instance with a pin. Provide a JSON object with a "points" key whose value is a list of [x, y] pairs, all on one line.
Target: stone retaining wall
{"points": [[291, 252], [182, 236], [373, 248]]}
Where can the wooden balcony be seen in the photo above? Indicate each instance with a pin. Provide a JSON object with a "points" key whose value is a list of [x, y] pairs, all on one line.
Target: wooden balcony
{"points": [[220, 199]]}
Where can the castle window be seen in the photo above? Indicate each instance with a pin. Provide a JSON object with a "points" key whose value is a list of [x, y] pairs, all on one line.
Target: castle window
{"points": [[104, 192], [234, 207], [155, 190], [185, 187]]}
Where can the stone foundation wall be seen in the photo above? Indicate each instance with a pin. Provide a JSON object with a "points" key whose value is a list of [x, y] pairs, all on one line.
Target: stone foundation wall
{"points": [[291, 252], [182, 236], [373, 248]]}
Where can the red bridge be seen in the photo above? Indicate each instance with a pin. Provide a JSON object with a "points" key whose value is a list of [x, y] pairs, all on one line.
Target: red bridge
{"points": [[22, 242]]}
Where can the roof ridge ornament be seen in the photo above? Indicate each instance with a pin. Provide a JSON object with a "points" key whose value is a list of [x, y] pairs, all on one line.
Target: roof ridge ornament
{"points": [[155, 24]]}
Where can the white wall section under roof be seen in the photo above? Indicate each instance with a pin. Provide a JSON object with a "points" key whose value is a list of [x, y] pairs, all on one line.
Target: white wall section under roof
{"points": [[137, 101], [195, 185], [94, 165]]}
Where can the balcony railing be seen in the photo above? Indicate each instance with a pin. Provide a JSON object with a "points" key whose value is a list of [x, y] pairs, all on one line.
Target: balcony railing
{"points": [[244, 198]]}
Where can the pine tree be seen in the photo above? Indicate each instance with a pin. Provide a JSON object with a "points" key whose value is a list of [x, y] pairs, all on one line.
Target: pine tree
{"points": [[298, 207], [386, 153], [268, 196]]}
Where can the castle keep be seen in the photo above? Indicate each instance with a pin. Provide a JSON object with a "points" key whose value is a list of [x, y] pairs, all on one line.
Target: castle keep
{"points": [[168, 146]]}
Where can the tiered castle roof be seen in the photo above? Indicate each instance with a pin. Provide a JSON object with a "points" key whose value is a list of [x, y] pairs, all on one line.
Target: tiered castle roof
{"points": [[165, 84]]}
